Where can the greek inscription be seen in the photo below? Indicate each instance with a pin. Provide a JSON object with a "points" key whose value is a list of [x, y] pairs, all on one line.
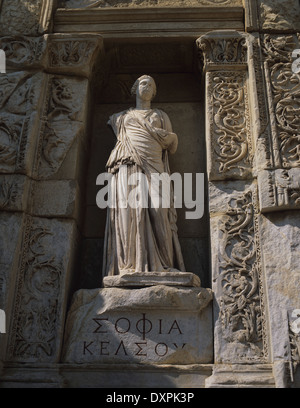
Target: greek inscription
{"points": [[134, 334], [141, 349], [97, 330], [184, 344], [86, 347], [143, 322], [123, 347], [175, 326], [161, 349], [119, 327], [103, 348]]}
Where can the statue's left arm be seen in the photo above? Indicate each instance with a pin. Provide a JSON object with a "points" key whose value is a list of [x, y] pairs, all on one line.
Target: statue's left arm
{"points": [[172, 137]]}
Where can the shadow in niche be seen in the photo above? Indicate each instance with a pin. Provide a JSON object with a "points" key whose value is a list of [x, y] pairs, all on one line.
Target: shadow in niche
{"points": [[180, 94]]}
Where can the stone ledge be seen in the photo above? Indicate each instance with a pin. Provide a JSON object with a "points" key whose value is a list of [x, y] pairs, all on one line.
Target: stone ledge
{"points": [[143, 279]]}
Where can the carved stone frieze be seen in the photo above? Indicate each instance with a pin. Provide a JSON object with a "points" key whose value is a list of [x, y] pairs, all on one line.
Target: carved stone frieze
{"points": [[228, 116], [241, 328], [25, 17], [19, 106], [63, 121], [41, 290], [13, 192], [279, 15], [279, 189], [145, 3], [294, 338], [283, 88], [23, 52]]}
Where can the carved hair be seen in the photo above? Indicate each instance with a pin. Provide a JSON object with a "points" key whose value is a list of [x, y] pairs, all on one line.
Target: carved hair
{"points": [[136, 84]]}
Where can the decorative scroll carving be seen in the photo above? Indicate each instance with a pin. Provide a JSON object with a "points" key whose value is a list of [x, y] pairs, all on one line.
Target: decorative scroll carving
{"points": [[294, 338], [146, 3], [63, 120], [229, 124], [21, 51], [38, 290], [18, 100], [241, 304], [284, 99], [279, 15], [8, 193]]}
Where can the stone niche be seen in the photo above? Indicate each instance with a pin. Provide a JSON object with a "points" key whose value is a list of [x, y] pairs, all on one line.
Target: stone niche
{"points": [[173, 65], [157, 322]]}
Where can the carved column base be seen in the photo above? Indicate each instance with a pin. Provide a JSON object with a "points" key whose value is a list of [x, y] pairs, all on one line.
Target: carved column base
{"points": [[143, 279], [241, 376]]}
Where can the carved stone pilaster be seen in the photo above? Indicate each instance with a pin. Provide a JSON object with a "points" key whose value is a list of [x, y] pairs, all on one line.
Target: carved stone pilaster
{"points": [[43, 140], [240, 328], [229, 141], [42, 290], [283, 90]]}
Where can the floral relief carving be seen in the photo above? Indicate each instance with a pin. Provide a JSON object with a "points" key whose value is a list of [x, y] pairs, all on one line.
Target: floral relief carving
{"points": [[69, 52], [241, 303], [229, 122], [284, 87], [37, 303], [62, 122], [279, 15], [8, 193], [294, 340], [232, 50], [20, 50], [18, 100]]}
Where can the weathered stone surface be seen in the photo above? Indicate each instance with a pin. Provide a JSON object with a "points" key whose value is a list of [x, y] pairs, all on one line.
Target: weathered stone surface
{"points": [[14, 192], [279, 15], [20, 110], [149, 22], [156, 325], [140, 279], [279, 189], [47, 203], [241, 376], [20, 17], [41, 290], [65, 121], [72, 4], [240, 322], [280, 238], [73, 54], [12, 225]]}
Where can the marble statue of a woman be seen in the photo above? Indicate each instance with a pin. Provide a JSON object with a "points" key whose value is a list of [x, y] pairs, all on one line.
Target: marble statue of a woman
{"points": [[140, 239]]}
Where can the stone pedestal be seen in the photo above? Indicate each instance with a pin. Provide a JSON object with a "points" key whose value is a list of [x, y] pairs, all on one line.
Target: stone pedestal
{"points": [[152, 325], [142, 279]]}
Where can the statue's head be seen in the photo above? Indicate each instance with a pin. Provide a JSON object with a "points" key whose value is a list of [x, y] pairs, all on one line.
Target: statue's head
{"points": [[144, 87]]}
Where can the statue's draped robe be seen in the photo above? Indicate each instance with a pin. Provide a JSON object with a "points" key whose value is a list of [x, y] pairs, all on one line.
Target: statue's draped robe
{"points": [[140, 239]]}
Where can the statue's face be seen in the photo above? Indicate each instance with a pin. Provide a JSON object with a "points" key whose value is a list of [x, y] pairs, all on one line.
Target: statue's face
{"points": [[146, 89]]}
